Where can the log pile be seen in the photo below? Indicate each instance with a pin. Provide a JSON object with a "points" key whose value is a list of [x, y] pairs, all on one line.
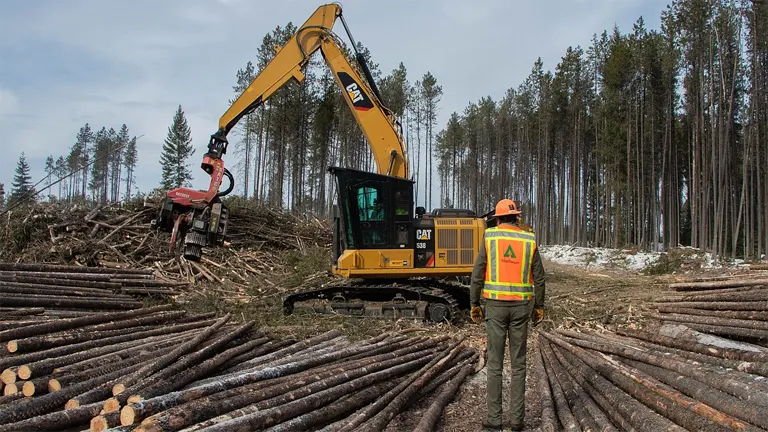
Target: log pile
{"points": [[120, 237], [66, 290], [157, 368], [641, 380], [735, 308]]}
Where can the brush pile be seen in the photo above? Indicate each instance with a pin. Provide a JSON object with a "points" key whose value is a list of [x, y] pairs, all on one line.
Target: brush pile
{"points": [[159, 369], [120, 237]]}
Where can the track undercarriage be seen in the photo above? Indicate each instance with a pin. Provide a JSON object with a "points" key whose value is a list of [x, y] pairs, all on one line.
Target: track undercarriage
{"points": [[429, 300]]}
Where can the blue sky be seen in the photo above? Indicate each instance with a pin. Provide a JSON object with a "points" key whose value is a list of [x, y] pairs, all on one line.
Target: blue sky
{"points": [[65, 63]]}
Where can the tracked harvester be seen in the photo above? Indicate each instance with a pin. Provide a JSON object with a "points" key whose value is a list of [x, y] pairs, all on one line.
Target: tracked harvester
{"points": [[394, 259]]}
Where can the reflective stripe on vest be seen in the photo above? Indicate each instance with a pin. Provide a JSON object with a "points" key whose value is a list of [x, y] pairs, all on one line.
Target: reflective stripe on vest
{"points": [[508, 274]]}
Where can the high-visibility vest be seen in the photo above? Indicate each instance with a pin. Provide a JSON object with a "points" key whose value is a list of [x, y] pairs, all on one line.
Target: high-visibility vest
{"points": [[508, 274]]}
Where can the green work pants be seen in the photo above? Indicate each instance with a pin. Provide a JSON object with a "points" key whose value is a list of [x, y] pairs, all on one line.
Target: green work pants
{"points": [[506, 322]]}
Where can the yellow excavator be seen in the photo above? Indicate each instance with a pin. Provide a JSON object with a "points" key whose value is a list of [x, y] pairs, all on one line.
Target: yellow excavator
{"points": [[395, 260]]}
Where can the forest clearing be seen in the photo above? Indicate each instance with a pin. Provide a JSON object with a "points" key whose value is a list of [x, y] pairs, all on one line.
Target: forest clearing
{"points": [[354, 254]]}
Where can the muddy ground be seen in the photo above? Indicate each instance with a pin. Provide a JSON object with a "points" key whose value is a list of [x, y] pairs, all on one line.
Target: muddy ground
{"points": [[576, 298]]}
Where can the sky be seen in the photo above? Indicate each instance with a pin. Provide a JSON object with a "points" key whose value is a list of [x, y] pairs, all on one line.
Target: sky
{"points": [[65, 63]]}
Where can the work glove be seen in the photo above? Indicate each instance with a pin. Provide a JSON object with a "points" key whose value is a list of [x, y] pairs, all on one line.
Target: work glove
{"points": [[476, 313], [537, 316]]}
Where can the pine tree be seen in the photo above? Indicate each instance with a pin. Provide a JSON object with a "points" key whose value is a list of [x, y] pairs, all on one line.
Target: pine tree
{"points": [[130, 157], [22, 187], [60, 169], [176, 150], [49, 168], [2, 196]]}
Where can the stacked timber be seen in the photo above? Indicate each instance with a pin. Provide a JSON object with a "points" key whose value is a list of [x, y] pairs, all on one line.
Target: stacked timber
{"points": [[644, 381], [66, 290], [156, 368], [736, 308]]}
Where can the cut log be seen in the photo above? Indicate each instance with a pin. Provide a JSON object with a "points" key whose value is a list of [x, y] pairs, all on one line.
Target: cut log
{"points": [[745, 315], [68, 354], [68, 269], [158, 364], [548, 420], [378, 415], [127, 350], [266, 416], [694, 286], [61, 301], [713, 397], [65, 324], [564, 413], [252, 381], [736, 383], [633, 411], [172, 383], [601, 421], [730, 306], [339, 408], [233, 402], [430, 418], [105, 421], [55, 421], [690, 345]]}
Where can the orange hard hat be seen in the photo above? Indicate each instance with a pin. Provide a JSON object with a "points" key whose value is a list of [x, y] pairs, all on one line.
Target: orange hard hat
{"points": [[506, 207]]}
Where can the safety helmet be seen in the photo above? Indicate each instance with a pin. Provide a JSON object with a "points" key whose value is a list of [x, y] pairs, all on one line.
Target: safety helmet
{"points": [[506, 207]]}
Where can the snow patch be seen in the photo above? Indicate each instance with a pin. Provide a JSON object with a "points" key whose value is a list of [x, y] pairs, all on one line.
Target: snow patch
{"points": [[687, 258]]}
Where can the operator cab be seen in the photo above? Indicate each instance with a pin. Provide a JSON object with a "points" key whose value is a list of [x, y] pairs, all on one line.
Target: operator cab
{"points": [[374, 211]]}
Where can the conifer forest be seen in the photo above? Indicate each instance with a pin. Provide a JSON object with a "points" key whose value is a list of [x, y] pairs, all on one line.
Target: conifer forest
{"points": [[651, 138]]}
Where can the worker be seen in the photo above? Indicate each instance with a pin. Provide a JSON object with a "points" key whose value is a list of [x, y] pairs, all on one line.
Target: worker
{"points": [[506, 271]]}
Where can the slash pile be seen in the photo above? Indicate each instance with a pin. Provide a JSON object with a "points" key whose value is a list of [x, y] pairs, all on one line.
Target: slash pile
{"points": [[158, 369], [120, 236]]}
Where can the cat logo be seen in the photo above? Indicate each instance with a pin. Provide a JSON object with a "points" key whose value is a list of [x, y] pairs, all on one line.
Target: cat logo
{"points": [[359, 99], [424, 234], [354, 93]]}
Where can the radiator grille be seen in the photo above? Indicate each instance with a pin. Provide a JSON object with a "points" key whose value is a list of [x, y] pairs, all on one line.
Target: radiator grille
{"points": [[446, 221], [467, 257], [447, 239], [452, 257], [466, 239], [465, 222]]}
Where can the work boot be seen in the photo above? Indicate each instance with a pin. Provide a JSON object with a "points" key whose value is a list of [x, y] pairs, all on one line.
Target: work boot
{"points": [[516, 427], [488, 426]]}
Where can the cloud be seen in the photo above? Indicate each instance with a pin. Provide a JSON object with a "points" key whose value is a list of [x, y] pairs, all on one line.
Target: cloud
{"points": [[109, 63]]}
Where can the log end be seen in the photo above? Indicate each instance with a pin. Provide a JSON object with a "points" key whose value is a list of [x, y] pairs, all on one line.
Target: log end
{"points": [[8, 376], [28, 388], [111, 405], [127, 416], [54, 385], [10, 389], [24, 372], [13, 346], [98, 424], [72, 403], [135, 398], [117, 389]]}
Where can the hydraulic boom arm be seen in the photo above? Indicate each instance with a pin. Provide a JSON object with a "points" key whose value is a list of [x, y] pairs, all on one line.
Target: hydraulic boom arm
{"points": [[376, 121]]}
